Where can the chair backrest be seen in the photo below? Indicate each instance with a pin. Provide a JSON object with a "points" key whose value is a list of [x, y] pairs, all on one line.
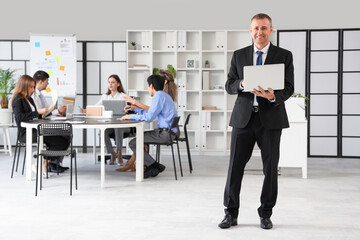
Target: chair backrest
{"points": [[55, 129], [186, 123], [175, 122]]}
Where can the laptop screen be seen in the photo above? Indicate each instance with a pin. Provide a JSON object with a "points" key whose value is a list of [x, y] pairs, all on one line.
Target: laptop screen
{"points": [[116, 106]]}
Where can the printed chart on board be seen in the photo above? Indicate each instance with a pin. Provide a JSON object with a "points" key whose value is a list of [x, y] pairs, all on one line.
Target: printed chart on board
{"points": [[56, 55]]}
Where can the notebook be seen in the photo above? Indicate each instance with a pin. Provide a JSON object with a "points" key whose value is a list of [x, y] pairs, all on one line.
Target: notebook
{"points": [[265, 76], [116, 106]]}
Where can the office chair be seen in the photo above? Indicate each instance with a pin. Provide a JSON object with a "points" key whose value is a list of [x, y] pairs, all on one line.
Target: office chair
{"points": [[55, 129], [173, 139], [18, 146], [186, 140]]}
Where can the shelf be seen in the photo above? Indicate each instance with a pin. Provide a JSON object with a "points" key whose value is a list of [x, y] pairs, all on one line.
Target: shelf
{"points": [[214, 131], [213, 51], [213, 69], [188, 51], [216, 111], [138, 51], [188, 69], [139, 69], [163, 51], [213, 91]]}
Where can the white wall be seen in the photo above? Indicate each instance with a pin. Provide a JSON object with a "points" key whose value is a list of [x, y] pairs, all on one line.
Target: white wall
{"points": [[109, 19]]}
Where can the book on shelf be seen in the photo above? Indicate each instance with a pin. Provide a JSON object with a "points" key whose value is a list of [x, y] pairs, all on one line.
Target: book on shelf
{"points": [[140, 66], [206, 80], [209, 108]]}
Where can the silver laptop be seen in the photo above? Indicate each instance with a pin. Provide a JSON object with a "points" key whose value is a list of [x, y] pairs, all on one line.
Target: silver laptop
{"points": [[265, 76], [116, 106]]}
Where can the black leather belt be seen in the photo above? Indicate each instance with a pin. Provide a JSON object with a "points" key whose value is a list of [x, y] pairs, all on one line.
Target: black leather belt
{"points": [[255, 109], [167, 130]]}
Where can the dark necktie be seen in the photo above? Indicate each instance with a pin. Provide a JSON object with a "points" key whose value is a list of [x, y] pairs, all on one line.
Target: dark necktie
{"points": [[259, 58], [258, 62]]}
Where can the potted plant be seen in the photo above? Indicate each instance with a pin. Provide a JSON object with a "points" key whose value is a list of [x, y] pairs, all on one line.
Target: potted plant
{"points": [[169, 67], [207, 64], [7, 85], [134, 45]]}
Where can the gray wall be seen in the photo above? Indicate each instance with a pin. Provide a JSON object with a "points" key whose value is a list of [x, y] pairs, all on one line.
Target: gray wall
{"points": [[109, 19]]}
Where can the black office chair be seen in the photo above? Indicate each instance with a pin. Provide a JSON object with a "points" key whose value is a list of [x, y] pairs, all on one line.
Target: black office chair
{"points": [[55, 129], [186, 140], [173, 140], [18, 146]]}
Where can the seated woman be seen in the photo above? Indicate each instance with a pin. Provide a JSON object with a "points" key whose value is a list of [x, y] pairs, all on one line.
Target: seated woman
{"points": [[170, 88], [115, 92], [25, 110]]}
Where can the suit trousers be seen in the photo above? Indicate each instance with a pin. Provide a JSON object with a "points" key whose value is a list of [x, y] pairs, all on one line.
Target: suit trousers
{"points": [[118, 134], [151, 137], [242, 144]]}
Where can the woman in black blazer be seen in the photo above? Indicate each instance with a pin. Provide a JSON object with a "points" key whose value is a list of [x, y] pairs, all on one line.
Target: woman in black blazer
{"points": [[25, 110]]}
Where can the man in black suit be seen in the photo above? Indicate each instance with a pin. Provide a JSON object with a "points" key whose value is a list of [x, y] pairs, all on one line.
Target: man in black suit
{"points": [[258, 116]]}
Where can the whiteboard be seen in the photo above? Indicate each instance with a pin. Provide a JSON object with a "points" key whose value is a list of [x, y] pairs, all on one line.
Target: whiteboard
{"points": [[56, 55]]}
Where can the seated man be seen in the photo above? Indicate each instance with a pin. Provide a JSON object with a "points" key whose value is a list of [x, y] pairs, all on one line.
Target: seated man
{"points": [[42, 81], [163, 109]]}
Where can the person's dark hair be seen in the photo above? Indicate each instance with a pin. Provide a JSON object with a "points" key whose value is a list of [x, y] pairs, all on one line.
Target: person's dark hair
{"points": [[157, 81], [262, 16], [120, 87], [40, 75]]}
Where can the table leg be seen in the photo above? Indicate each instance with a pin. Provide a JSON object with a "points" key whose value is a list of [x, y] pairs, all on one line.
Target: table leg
{"points": [[28, 152], [8, 140], [140, 152], [94, 146], [102, 146], [4, 138]]}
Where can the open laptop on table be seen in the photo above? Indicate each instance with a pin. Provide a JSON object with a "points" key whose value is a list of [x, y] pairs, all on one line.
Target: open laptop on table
{"points": [[116, 106]]}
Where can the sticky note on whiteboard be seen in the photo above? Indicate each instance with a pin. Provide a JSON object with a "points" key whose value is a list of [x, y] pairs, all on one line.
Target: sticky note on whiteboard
{"points": [[37, 44], [62, 68], [48, 90], [58, 59], [50, 73], [47, 53]]}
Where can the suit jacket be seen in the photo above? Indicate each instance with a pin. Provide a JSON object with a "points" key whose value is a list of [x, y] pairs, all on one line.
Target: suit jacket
{"points": [[23, 113], [272, 114]]}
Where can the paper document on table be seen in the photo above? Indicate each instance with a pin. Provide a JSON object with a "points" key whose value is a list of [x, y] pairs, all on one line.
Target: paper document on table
{"points": [[75, 122], [54, 96]]}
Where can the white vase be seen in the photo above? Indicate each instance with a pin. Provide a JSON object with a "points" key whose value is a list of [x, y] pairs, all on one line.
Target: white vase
{"points": [[299, 101], [5, 115]]}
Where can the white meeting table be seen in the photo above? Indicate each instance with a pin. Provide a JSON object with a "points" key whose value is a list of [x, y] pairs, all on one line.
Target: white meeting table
{"points": [[92, 123]]}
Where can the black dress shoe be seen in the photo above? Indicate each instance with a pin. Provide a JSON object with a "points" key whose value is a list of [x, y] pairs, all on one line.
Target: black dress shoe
{"points": [[151, 172], [159, 166], [265, 223], [228, 221]]}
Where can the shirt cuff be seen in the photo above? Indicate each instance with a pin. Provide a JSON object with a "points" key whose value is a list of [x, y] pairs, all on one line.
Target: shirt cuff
{"points": [[272, 101], [240, 87]]}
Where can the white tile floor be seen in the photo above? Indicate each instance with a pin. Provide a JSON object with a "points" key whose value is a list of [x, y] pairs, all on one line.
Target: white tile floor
{"points": [[324, 206]]}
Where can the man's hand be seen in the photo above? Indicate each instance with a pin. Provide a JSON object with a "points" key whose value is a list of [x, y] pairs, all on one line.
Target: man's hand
{"points": [[128, 108], [126, 117], [269, 94], [62, 109], [131, 100]]}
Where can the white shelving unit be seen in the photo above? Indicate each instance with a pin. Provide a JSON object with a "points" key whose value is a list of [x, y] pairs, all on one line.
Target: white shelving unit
{"points": [[209, 130]]}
